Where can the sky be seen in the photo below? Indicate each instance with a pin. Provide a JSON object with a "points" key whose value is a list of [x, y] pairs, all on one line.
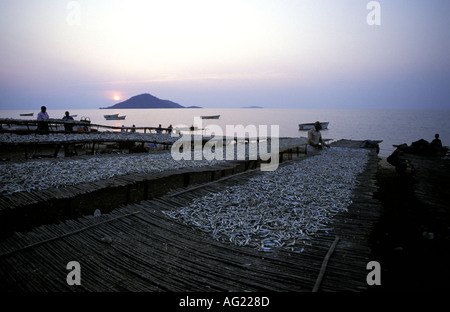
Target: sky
{"points": [[349, 54]]}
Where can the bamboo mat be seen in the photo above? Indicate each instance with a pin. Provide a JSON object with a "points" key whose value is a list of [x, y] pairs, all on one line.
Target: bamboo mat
{"points": [[138, 248]]}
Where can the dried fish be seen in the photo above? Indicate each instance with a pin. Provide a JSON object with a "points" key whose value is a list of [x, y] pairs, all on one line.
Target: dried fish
{"points": [[280, 209], [45, 174]]}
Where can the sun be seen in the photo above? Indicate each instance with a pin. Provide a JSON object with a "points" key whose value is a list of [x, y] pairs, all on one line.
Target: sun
{"points": [[116, 97]]}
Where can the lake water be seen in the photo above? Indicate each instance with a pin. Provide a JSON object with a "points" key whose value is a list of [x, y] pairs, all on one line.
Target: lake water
{"points": [[391, 126]]}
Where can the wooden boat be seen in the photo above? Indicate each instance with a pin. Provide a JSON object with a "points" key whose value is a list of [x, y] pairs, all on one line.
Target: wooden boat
{"points": [[210, 117], [187, 129], [110, 116], [27, 114], [309, 126], [117, 117]]}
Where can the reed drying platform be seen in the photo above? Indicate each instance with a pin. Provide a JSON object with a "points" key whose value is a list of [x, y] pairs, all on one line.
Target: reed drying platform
{"points": [[138, 248], [23, 210]]}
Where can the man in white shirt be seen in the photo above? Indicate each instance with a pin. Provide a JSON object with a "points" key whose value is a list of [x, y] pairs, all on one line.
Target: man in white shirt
{"points": [[43, 115], [315, 137]]}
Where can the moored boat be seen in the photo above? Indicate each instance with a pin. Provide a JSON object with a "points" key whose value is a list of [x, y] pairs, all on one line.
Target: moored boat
{"points": [[210, 117], [115, 117], [27, 114], [309, 126]]}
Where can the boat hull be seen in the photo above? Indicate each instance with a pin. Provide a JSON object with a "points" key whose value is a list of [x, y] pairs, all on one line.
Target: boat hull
{"points": [[210, 117], [111, 116], [115, 118], [309, 126]]}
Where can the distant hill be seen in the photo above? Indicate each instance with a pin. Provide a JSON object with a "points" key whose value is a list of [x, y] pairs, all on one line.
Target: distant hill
{"points": [[252, 107], [146, 101]]}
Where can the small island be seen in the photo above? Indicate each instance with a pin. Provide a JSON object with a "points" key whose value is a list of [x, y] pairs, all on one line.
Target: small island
{"points": [[145, 100]]}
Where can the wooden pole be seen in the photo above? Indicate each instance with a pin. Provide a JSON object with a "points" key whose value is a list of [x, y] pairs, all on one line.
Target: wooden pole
{"points": [[324, 265]]}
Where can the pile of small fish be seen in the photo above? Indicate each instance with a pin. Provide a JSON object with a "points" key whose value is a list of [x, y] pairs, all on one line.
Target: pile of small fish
{"points": [[283, 208], [12, 138], [45, 174], [221, 148]]}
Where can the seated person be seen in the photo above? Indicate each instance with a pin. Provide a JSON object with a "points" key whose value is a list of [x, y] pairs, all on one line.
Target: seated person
{"points": [[67, 127], [315, 137], [436, 142]]}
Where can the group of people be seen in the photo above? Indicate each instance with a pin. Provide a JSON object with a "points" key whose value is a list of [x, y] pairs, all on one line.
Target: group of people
{"points": [[158, 130], [43, 115], [420, 147], [314, 135]]}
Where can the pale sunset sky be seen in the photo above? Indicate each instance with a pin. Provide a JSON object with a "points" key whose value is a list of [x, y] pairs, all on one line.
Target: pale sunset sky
{"points": [[226, 53]]}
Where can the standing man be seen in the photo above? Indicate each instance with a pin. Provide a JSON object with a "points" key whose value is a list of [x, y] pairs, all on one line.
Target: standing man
{"points": [[315, 137], [437, 143], [43, 115]]}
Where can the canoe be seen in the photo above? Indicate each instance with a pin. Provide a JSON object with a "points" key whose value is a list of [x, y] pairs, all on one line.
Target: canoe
{"points": [[210, 117], [110, 116], [115, 117], [309, 126]]}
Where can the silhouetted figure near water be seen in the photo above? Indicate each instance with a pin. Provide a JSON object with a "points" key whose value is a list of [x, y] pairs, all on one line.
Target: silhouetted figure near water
{"points": [[43, 115], [420, 147], [399, 164], [68, 127], [436, 142]]}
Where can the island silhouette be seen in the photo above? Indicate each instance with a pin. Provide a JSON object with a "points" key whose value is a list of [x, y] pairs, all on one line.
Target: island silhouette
{"points": [[146, 100]]}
